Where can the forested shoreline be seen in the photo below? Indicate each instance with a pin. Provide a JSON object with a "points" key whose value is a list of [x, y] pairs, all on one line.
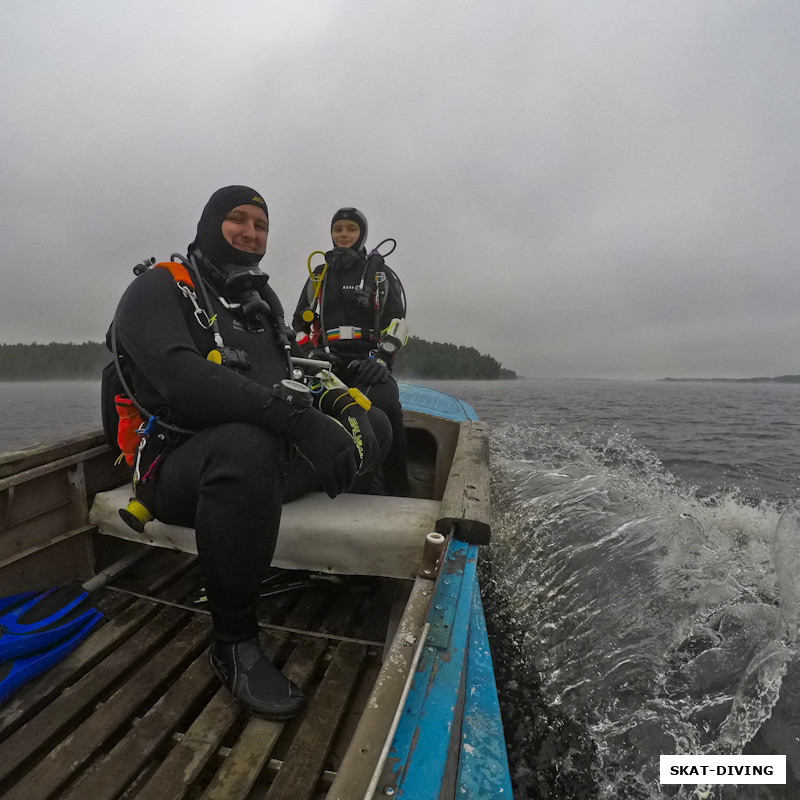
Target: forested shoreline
{"points": [[70, 361], [55, 361], [778, 379], [436, 360]]}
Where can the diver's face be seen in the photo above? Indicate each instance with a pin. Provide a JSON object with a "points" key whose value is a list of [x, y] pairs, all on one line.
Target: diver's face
{"points": [[246, 228], [345, 232]]}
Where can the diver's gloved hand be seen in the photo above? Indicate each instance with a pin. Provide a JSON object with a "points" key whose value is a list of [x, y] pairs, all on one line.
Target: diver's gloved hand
{"points": [[356, 421], [340, 404], [328, 447], [318, 354], [369, 371]]}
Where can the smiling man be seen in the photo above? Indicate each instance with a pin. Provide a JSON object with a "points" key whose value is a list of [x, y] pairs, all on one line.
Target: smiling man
{"points": [[227, 433], [246, 228]]}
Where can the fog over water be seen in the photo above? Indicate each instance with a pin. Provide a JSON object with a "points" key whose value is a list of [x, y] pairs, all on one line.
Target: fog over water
{"points": [[579, 190]]}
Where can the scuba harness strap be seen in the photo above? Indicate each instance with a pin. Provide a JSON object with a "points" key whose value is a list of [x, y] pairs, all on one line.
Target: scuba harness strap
{"points": [[374, 276], [132, 432], [131, 429], [178, 271]]}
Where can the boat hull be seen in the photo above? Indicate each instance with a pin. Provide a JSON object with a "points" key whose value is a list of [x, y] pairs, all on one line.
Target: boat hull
{"points": [[395, 658]]}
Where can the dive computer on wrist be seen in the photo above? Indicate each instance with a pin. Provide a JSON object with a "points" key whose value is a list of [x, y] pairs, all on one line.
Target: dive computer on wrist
{"points": [[294, 393]]}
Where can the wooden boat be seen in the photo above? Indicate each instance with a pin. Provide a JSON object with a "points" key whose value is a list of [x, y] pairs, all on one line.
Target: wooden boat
{"points": [[372, 604]]}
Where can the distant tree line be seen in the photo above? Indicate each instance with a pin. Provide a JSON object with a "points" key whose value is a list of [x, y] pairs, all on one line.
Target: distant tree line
{"points": [[418, 359], [54, 361], [421, 359], [778, 379]]}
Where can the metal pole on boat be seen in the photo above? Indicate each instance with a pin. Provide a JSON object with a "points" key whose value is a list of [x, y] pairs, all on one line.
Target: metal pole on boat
{"points": [[376, 776], [115, 569]]}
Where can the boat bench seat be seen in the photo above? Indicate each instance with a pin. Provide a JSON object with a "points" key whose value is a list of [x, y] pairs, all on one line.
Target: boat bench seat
{"points": [[354, 534]]}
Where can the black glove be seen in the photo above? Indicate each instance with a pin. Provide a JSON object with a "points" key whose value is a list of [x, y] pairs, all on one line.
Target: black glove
{"points": [[340, 404], [328, 447], [356, 420], [369, 371], [318, 354]]}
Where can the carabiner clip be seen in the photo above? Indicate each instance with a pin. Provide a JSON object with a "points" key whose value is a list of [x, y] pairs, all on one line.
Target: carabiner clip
{"points": [[200, 314], [147, 428]]}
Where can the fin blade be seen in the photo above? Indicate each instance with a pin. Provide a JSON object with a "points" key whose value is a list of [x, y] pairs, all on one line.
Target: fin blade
{"points": [[14, 674], [7, 603], [17, 645]]}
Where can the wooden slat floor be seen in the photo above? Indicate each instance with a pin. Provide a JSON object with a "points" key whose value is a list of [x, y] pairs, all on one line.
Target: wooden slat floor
{"points": [[136, 713]]}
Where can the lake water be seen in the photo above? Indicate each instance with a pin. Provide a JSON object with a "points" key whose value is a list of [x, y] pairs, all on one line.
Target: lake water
{"points": [[641, 587], [40, 412]]}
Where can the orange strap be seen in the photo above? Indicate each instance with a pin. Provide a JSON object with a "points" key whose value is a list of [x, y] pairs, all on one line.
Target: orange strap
{"points": [[130, 422], [179, 273]]}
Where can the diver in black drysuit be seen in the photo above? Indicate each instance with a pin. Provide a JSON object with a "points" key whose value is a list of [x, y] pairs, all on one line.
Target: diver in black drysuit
{"points": [[347, 300], [251, 449]]}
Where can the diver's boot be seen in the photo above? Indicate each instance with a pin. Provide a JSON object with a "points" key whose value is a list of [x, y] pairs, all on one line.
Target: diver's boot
{"points": [[254, 680]]}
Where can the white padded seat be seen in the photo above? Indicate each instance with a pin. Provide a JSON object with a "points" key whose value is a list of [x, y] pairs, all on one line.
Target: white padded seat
{"points": [[354, 534]]}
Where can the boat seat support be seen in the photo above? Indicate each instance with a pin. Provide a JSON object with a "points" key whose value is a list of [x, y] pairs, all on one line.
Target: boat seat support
{"points": [[354, 534]]}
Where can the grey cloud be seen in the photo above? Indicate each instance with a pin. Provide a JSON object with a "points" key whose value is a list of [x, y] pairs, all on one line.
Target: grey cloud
{"points": [[610, 189]]}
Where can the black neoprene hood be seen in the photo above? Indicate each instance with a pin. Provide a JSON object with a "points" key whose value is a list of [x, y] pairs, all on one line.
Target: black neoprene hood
{"points": [[209, 239], [354, 215]]}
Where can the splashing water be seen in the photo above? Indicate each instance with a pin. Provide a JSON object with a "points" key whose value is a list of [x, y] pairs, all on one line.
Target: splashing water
{"points": [[759, 689], [632, 619], [786, 557]]}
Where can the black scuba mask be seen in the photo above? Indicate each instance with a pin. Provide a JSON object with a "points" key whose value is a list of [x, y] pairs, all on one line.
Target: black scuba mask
{"points": [[243, 280], [244, 286], [342, 257]]}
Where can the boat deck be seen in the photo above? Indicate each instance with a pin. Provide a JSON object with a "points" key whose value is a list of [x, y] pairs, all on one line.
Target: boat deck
{"points": [[136, 712]]}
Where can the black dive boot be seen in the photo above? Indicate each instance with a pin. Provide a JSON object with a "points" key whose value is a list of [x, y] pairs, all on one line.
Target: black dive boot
{"points": [[254, 680]]}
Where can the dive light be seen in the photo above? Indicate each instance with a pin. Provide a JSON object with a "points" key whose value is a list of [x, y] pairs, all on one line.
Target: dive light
{"points": [[394, 337]]}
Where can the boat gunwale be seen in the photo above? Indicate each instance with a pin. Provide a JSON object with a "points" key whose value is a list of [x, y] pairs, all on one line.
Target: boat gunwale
{"points": [[19, 467]]}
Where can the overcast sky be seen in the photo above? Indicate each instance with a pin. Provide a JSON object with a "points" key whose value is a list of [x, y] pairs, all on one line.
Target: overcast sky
{"points": [[604, 188]]}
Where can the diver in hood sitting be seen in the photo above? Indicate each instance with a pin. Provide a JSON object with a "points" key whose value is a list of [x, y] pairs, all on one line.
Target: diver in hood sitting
{"points": [[206, 352], [352, 312]]}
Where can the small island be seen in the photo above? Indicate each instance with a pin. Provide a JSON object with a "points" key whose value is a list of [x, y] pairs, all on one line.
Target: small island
{"points": [[69, 361], [778, 379], [435, 360]]}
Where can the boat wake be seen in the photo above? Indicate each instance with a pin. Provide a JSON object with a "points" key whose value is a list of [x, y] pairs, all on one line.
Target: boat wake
{"points": [[631, 618]]}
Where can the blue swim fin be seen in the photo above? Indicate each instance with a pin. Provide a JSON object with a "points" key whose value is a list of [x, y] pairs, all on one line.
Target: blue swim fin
{"points": [[14, 600], [30, 623], [14, 674], [38, 630]]}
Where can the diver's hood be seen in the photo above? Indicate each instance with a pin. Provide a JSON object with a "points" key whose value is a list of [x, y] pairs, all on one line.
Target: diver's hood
{"points": [[216, 256], [354, 215]]}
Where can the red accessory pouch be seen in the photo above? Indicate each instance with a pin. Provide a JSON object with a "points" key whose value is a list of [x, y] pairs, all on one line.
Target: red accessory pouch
{"points": [[129, 423]]}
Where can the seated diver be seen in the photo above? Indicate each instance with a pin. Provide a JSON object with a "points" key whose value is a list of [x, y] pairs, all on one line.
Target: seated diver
{"points": [[229, 441], [352, 312]]}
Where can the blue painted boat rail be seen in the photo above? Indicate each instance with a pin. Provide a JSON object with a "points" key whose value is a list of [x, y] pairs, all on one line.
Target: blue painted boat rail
{"points": [[483, 764], [431, 401], [449, 740]]}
